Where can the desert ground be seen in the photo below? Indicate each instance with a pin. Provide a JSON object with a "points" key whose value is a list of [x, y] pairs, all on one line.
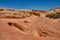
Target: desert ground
{"points": [[29, 24]]}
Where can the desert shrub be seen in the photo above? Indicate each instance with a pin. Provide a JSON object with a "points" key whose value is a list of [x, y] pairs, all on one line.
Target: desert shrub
{"points": [[54, 16], [1, 9], [28, 14], [37, 14]]}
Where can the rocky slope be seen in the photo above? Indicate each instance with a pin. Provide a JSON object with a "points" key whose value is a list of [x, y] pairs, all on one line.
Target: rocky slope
{"points": [[29, 24]]}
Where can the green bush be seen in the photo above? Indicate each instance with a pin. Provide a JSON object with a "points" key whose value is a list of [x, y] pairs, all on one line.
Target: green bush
{"points": [[54, 16]]}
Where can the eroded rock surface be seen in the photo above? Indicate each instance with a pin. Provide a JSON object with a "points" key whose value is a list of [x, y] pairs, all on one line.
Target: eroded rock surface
{"points": [[28, 25]]}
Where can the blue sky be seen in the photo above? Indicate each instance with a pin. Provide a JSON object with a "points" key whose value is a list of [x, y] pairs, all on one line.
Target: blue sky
{"points": [[30, 4]]}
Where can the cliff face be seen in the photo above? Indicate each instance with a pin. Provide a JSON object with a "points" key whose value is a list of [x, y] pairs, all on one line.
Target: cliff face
{"points": [[29, 24]]}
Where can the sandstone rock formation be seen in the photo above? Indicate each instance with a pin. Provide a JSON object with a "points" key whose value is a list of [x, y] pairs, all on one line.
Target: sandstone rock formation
{"points": [[29, 24]]}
